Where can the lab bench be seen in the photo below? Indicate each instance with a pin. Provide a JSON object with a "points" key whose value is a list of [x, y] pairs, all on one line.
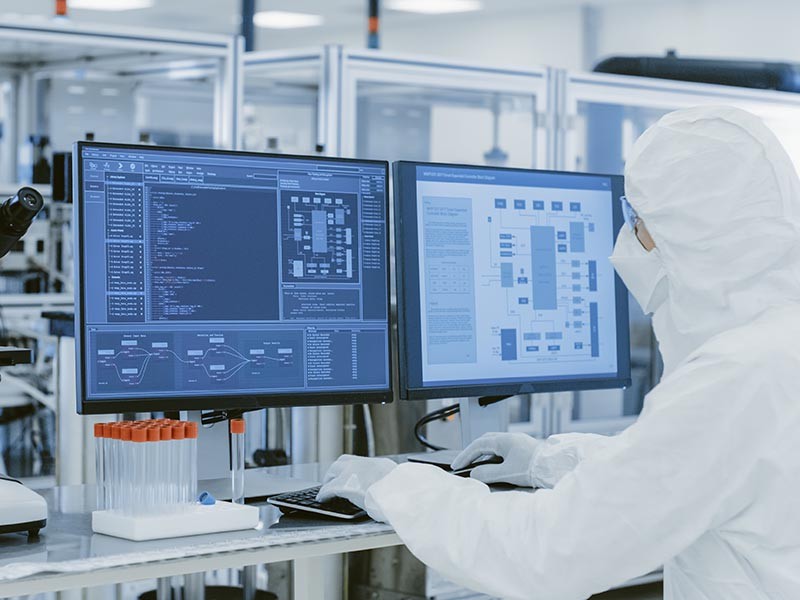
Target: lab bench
{"points": [[68, 555]]}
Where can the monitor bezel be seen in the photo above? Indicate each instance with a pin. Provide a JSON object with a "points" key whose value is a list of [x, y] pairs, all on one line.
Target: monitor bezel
{"points": [[208, 401], [411, 387]]}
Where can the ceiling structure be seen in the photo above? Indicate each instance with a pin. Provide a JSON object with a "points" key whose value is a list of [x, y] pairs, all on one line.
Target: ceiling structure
{"points": [[222, 16]]}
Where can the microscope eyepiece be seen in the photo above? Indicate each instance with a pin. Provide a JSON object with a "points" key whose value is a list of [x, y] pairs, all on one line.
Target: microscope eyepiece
{"points": [[16, 215], [17, 212]]}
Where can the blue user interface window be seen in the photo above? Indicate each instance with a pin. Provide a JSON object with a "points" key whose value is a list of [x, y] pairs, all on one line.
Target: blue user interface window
{"points": [[221, 274], [514, 279]]}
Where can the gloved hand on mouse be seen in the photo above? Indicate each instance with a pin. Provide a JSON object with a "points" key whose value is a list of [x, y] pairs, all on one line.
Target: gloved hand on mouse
{"points": [[351, 476], [517, 451]]}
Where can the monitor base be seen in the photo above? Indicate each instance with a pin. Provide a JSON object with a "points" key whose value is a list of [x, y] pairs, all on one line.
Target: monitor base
{"points": [[482, 415]]}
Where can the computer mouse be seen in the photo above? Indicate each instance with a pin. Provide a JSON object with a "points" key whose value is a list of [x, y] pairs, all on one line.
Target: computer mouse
{"points": [[486, 459]]}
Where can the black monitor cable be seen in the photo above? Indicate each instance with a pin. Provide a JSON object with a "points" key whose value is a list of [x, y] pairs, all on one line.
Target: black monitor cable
{"points": [[436, 415], [217, 416]]}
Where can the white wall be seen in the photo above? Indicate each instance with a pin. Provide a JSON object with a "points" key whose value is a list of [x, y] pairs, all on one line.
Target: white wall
{"points": [[549, 36], [553, 36]]}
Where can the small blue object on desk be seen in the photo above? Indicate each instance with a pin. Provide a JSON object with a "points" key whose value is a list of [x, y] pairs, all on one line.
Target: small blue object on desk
{"points": [[206, 499]]}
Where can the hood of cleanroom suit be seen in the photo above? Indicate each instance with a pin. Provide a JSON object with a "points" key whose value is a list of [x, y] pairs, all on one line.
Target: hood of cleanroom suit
{"points": [[720, 197], [706, 482]]}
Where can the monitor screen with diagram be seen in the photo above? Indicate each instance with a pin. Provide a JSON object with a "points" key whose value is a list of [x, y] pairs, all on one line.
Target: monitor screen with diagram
{"points": [[505, 284]]}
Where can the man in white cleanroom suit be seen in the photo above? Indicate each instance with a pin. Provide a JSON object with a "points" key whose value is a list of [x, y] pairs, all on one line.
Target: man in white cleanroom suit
{"points": [[707, 481]]}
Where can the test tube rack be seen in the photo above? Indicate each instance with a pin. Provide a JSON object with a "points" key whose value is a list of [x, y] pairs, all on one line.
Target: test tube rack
{"points": [[195, 520], [147, 484]]}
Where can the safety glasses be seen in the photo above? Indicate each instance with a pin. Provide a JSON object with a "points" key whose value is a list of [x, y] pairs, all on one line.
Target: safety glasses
{"points": [[628, 213], [636, 224]]}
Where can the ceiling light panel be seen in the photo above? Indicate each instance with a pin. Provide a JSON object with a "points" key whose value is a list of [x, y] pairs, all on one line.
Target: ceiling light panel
{"points": [[279, 19], [435, 7], [109, 5]]}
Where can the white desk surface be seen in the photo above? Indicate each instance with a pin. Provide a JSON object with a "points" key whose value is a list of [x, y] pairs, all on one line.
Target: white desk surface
{"points": [[69, 555]]}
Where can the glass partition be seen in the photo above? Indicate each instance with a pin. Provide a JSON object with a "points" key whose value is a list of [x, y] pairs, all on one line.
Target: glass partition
{"points": [[410, 108], [408, 122], [281, 107], [66, 82]]}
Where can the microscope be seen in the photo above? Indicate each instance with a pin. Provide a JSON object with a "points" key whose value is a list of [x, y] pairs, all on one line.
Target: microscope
{"points": [[21, 509]]}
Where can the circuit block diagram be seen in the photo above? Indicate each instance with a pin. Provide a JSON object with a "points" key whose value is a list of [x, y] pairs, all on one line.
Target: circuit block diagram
{"points": [[319, 237], [542, 279]]}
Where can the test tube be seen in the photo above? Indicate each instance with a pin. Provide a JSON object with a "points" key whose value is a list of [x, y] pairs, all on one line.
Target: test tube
{"points": [[153, 467], [138, 470], [191, 437], [107, 466], [99, 465], [126, 502], [167, 464], [114, 479], [178, 459], [237, 460]]}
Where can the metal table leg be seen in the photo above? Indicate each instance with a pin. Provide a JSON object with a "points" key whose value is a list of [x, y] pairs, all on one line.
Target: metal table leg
{"points": [[318, 578], [194, 586], [249, 582], [163, 589]]}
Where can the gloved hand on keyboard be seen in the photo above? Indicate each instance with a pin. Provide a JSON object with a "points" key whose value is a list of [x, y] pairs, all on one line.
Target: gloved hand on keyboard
{"points": [[351, 476]]}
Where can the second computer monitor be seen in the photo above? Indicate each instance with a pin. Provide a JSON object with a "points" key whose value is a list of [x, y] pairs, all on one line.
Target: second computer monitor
{"points": [[504, 281]]}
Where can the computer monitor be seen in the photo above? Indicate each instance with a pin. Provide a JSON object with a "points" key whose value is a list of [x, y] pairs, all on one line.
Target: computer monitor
{"points": [[210, 279], [504, 281]]}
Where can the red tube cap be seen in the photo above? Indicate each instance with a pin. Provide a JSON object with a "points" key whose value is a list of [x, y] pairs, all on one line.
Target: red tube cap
{"points": [[178, 431]]}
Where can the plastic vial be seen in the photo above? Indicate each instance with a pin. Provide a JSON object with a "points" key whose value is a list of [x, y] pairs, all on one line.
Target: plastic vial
{"points": [[191, 438], [139, 470], [168, 465], [99, 465], [113, 472], [107, 466], [153, 466], [237, 460], [126, 463], [179, 456]]}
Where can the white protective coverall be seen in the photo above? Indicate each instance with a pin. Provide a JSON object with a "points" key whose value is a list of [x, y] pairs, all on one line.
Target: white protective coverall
{"points": [[707, 481]]}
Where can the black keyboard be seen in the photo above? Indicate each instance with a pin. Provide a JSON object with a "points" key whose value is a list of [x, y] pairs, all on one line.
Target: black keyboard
{"points": [[306, 501]]}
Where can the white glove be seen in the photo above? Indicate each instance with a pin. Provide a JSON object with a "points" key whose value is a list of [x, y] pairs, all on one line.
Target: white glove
{"points": [[351, 476], [517, 451]]}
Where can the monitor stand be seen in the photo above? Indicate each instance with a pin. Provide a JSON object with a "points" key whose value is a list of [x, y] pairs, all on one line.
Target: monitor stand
{"points": [[482, 415], [478, 416]]}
